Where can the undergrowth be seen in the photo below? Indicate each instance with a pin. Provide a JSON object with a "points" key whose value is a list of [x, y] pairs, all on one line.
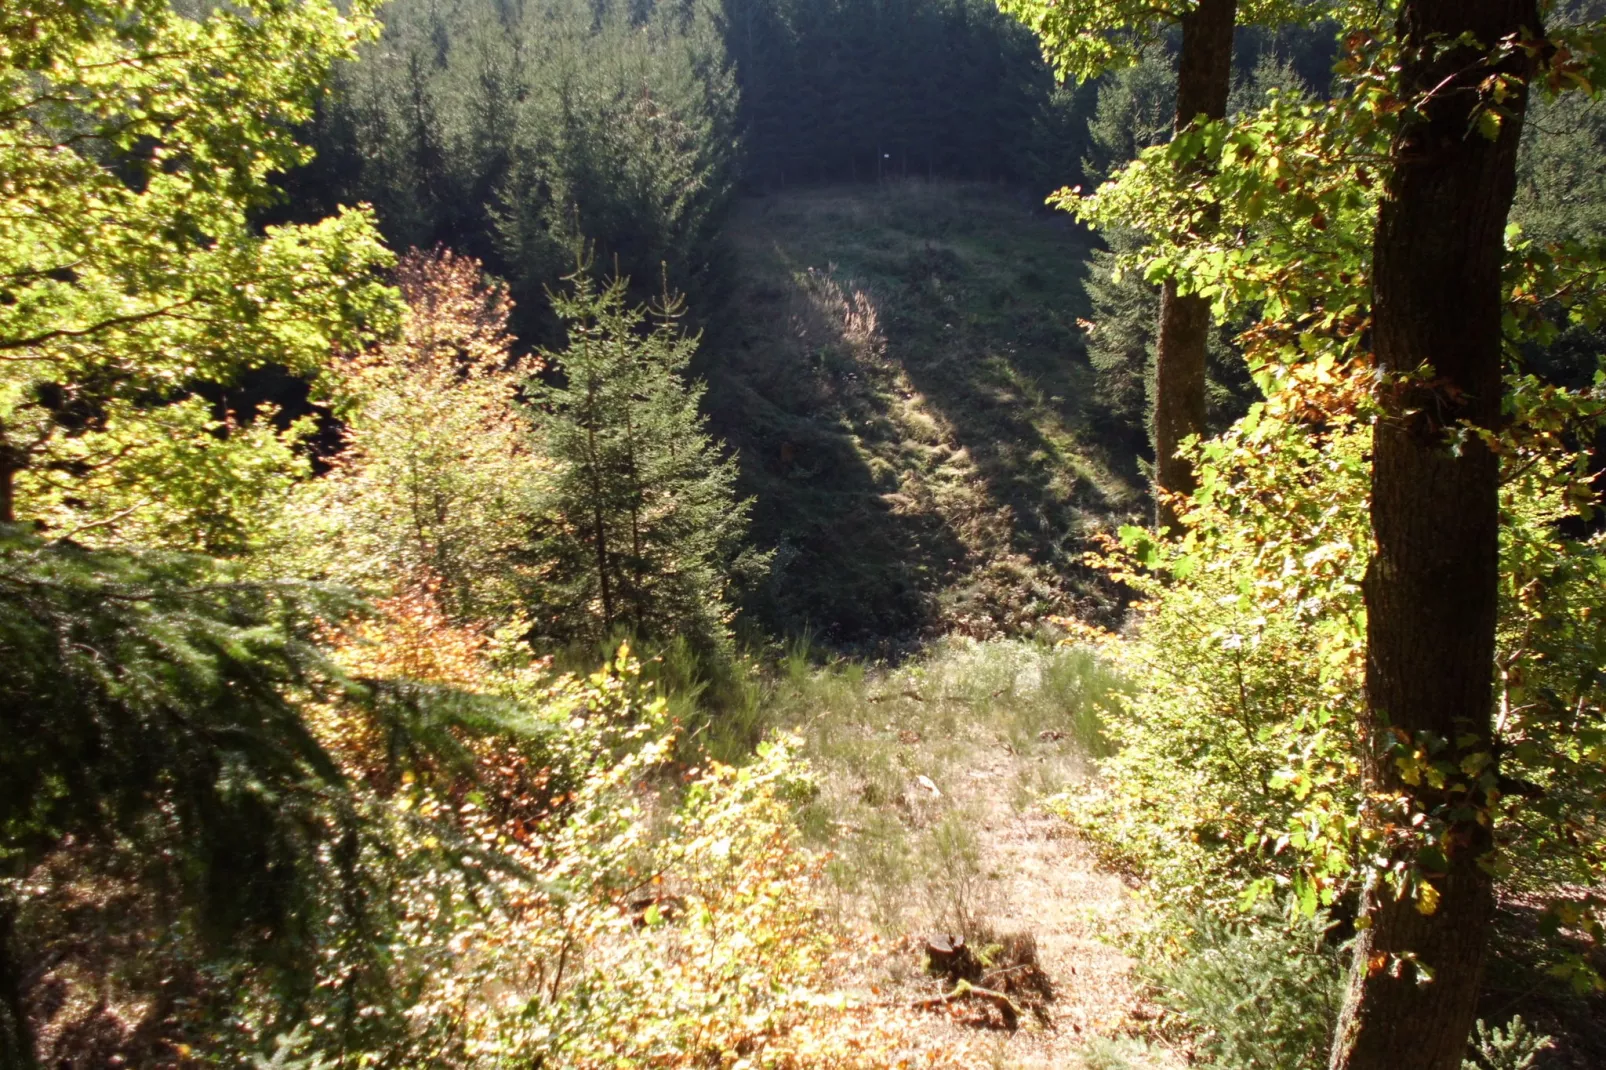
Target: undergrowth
{"points": [[1260, 993]]}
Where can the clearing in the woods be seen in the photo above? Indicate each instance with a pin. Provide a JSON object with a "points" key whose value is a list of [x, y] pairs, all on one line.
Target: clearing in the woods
{"points": [[933, 778], [903, 371]]}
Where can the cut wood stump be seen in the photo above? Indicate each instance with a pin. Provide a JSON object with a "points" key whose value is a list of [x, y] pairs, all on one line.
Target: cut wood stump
{"points": [[951, 957]]}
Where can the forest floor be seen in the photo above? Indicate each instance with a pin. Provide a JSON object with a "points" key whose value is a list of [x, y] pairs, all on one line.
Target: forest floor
{"points": [[902, 371], [932, 782]]}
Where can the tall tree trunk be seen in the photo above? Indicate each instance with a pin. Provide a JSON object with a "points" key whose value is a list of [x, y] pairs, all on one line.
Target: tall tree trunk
{"points": [[1204, 79], [8, 492], [599, 522], [1432, 585]]}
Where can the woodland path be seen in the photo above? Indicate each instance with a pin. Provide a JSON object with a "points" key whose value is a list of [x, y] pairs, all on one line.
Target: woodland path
{"points": [[1043, 880], [1052, 887], [960, 756]]}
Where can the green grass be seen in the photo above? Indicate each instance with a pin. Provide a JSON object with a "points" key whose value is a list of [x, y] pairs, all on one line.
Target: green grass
{"points": [[902, 372], [906, 855]]}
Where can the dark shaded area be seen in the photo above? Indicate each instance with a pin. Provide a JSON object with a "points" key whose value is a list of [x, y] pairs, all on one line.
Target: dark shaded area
{"points": [[1520, 978], [865, 90]]}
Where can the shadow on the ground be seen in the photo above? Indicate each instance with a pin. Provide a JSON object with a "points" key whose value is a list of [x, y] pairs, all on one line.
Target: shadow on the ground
{"points": [[1521, 979], [902, 372]]}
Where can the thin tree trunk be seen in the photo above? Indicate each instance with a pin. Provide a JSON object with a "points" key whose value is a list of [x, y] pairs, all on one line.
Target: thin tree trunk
{"points": [[1204, 78], [599, 524], [602, 564], [1431, 590], [637, 491]]}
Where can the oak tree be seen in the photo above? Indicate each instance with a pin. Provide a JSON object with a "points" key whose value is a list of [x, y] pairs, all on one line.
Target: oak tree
{"points": [[1431, 588]]}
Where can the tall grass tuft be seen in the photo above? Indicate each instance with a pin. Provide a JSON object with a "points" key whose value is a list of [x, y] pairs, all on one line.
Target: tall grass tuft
{"points": [[905, 755]]}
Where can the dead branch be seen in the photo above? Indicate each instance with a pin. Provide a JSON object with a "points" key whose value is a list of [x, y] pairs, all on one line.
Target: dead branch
{"points": [[965, 990]]}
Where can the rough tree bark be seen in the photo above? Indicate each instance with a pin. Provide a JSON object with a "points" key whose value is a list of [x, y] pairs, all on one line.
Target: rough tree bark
{"points": [[1432, 586], [1204, 79], [8, 494]]}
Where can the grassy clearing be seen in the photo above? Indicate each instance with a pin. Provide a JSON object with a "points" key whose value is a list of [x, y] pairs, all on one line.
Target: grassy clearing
{"points": [[909, 766], [929, 775], [902, 371]]}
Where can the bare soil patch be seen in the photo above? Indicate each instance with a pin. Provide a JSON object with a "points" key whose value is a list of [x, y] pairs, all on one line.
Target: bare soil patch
{"points": [[932, 779]]}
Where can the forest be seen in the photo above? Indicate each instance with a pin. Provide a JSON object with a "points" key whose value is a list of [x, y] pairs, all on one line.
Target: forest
{"points": [[792, 534]]}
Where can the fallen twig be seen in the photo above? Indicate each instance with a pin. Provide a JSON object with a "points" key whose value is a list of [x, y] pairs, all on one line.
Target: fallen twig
{"points": [[966, 990]]}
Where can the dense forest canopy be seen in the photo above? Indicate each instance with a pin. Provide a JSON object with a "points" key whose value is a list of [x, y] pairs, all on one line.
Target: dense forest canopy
{"points": [[574, 533], [503, 129]]}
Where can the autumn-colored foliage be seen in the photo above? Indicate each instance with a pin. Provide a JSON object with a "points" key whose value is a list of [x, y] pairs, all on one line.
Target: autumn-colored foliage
{"points": [[437, 475]]}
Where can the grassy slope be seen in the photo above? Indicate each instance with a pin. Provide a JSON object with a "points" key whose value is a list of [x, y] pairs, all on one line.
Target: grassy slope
{"points": [[928, 775], [902, 372]]}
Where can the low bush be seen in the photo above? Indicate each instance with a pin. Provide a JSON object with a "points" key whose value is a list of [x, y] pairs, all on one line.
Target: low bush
{"points": [[1262, 993], [628, 909], [1244, 678], [1235, 778], [486, 862]]}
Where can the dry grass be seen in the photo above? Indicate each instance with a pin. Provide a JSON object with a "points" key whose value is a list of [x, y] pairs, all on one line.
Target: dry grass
{"points": [[930, 775]]}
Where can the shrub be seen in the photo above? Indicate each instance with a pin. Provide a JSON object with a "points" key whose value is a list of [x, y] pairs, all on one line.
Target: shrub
{"points": [[1257, 994], [396, 842], [623, 909], [1244, 666], [1238, 746], [436, 477]]}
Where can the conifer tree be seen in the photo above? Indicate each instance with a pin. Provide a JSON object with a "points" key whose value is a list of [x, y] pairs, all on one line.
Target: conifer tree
{"points": [[647, 530], [484, 126]]}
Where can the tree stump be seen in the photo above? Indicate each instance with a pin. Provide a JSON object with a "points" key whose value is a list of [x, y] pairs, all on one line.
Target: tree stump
{"points": [[951, 957]]}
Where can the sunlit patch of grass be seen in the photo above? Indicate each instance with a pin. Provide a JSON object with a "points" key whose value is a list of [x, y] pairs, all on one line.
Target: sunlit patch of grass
{"points": [[1104, 1053], [910, 757]]}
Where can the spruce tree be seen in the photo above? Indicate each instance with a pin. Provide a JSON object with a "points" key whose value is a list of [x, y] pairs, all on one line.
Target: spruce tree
{"points": [[646, 530], [482, 126]]}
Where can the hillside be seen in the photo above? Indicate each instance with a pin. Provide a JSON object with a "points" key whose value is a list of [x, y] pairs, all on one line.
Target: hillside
{"points": [[903, 374]]}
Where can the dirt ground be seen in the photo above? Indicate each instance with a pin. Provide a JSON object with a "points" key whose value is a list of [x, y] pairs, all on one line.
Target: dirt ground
{"points": [[1041, 881], [934, 782]]}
